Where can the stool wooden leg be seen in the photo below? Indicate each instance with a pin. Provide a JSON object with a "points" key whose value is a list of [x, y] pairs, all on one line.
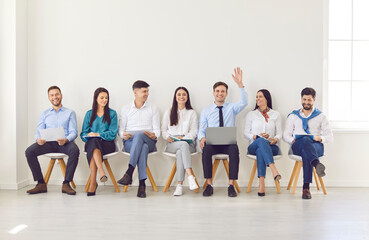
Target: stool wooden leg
{"points": [[297, 174], [226, 166], [88, 183], [278, 186], [237, 187], [253, 171], [171, 176], [149, 175], [197, 189], [215, 167], [64, 169], [49, 170], [292, 176], [107, 165], [316, 179], [323, 186]]}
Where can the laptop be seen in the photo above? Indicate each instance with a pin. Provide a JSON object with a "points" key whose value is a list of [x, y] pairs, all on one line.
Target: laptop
{"points": [[221, 135]]}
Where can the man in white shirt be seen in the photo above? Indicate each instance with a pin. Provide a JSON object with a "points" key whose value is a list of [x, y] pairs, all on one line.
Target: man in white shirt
{"points": [[307, 129], [139, 126]]}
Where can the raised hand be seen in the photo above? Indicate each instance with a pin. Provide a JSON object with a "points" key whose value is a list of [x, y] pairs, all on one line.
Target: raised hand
{"points": [[237, 77]]}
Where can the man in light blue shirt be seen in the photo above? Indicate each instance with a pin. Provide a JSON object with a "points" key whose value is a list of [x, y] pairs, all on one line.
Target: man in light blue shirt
{"points": [[55, 117], [221, 114]]}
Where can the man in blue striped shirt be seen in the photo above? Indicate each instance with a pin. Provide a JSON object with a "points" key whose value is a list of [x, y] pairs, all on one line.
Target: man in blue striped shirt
{"points": [[221, 114], [54, 117]]}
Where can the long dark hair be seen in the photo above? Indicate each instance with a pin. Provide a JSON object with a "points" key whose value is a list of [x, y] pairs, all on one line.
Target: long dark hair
{"points": [[267, 96], [106, 117], [174, 109]]}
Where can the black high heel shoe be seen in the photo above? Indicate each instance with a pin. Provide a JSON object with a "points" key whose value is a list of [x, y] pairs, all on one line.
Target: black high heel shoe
{"points": [[92, 193], [261, 194]]}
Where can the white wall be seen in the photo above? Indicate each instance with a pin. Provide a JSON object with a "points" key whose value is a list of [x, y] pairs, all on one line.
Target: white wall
{"points": [[7, 93], [81, 45], [22, 91], [14, 96]]}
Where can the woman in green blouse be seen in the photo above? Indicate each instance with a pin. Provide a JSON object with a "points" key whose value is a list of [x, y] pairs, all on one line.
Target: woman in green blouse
{"points": [[99, 130]]}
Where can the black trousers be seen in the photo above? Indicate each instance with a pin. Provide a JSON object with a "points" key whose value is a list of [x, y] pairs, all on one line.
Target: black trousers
{"points": [[36, 150], [234, 159], [105, 147]]}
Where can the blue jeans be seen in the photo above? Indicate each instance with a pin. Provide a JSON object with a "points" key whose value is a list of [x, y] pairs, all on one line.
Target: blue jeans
{"points": [[264, 154], [139, 147], [309, 150]]}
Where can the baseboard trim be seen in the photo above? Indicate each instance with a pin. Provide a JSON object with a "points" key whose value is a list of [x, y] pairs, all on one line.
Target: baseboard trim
{"points": [[15, 186]]}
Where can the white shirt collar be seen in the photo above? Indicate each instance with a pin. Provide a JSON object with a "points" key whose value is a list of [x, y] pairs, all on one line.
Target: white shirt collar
{"points": [[303, 114], [133, 105]]}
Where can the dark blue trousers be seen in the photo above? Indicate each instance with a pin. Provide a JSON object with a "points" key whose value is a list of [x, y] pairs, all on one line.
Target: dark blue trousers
{"points": [[309, 150]]}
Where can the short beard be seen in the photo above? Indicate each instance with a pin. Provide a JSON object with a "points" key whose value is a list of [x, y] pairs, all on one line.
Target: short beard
{"points": [[307, 108], [59, 104]]}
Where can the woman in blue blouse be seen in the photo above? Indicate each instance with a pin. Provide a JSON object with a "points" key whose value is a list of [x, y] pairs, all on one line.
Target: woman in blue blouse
{"points": [[99, 130]]}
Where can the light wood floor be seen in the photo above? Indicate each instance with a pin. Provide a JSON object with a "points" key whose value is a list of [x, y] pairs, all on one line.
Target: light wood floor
{"points": [[342, 214]]}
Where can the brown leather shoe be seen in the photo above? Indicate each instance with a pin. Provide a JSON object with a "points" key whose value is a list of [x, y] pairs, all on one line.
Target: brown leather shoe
{"points": [[66, 188], [306, 194], [141, 193], [39, 188]]}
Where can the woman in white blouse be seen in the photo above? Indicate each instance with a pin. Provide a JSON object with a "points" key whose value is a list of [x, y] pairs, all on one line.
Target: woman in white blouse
{"points": [[179, 128], [263, 129]]}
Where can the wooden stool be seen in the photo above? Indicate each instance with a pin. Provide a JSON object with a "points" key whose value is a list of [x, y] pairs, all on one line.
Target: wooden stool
{"points": [[174, 170], [107, 165], [277, 184], [149, 175], [53, 157], [224, 159], [296, 172]]}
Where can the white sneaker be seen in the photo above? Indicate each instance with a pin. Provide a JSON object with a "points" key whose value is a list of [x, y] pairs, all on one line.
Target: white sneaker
{"points": [[178, 191], [192, 183]]}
